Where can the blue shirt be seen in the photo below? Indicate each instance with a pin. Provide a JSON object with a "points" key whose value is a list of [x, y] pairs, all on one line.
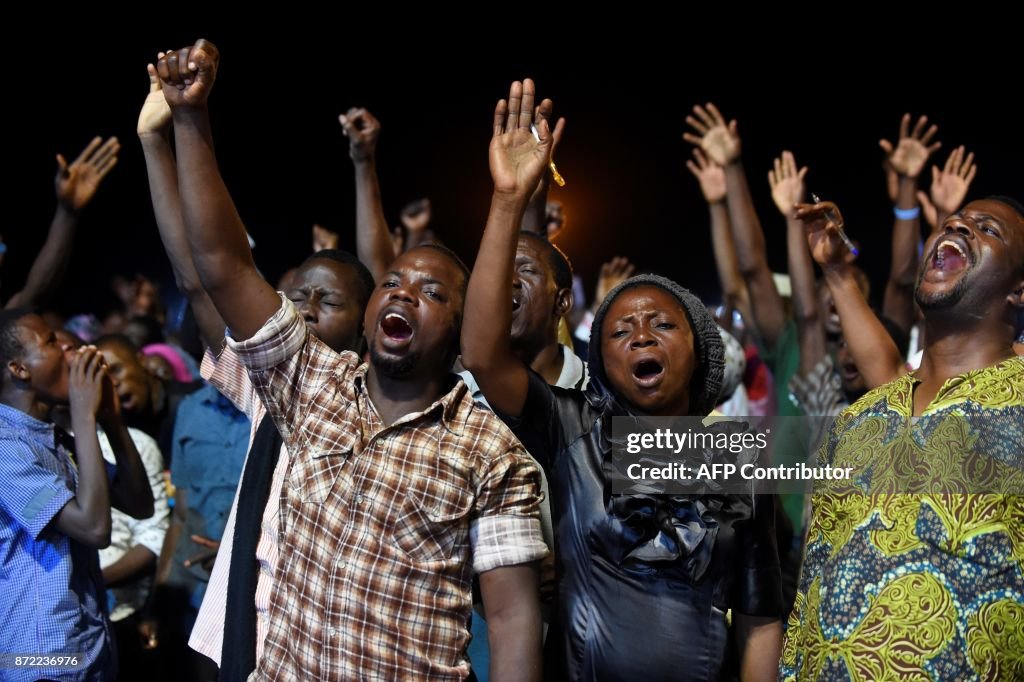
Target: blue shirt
{"points": [[51, 588], [211, 438]]}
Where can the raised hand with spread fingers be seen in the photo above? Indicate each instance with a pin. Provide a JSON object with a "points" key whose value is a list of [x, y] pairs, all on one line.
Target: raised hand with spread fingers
{"points": [[710, 176], [75, 185], [718, 139], [949, 187], [517, 158], [905, 161], [913, 147]]}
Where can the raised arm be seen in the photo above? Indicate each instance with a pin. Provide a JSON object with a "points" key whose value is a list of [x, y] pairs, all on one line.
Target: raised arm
{"points": [[721, 142], [373, 239], [788, 189], [154, 128], [216, 236], [517, 161], [949, 187], [875, 353], [76, 185], [415, 217], [712, 185], [907, 160]]}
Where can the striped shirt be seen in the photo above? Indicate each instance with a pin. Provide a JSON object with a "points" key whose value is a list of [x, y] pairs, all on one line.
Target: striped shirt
{"points": [[229, 376]]}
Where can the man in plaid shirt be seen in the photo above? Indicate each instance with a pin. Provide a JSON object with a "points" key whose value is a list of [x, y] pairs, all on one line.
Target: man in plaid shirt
{"points": [[400, 487]]}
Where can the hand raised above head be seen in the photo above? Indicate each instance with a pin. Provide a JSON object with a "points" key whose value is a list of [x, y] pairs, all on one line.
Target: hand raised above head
{"points": [[912, 149], [76, 183], [518, 157], [719, 140], [187, 75], [362, 130], [155, 116]]}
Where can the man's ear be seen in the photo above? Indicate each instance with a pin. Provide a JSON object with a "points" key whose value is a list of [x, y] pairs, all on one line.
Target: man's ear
{"points": [[563, 302], [18, 370], [1016, 297]]}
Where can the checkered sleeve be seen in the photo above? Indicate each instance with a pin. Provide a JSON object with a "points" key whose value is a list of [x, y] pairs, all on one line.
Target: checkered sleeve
{"points": [[506, 529], [29, 492], [279, 339], [228, 375], [289, 368]]}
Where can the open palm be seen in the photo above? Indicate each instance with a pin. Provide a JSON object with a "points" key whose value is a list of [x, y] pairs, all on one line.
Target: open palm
{"points": [[517, 158], [76, 184]]}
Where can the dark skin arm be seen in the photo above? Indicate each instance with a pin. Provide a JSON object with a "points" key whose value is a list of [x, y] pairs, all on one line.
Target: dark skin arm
{"points": [[154, 128], [216, 235], [712, 185], [163, 568], [513, 622], [76, 185], [373, 239], [133, 564], [721, 142], [86, 517], [149, 628], [516, 162], [907, 159], [787, 185], [760, 641], [130, 491], [875, 353]]}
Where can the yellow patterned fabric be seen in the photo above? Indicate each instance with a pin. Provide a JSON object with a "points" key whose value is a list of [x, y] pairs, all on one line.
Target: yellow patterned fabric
{"points": [[914, 570]]}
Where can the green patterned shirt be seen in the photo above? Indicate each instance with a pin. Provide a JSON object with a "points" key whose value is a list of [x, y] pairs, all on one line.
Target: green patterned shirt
{"points": [[915, 570]]}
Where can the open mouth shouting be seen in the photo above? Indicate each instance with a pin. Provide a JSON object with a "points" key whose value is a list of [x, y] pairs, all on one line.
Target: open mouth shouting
{"points": [[397, 330], [517, 302], [648, 372], [952, 255], [849, 371]]}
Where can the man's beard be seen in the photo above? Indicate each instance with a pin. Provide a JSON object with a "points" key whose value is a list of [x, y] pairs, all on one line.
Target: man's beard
{"points": [[396, 368], [943, 299]]}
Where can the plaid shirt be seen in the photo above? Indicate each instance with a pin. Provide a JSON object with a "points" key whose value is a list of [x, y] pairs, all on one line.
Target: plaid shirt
{"points": [[383, 525]]}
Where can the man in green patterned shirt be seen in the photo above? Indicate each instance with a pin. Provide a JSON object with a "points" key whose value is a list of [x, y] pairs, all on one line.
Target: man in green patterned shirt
{"points": [[916, 570]]}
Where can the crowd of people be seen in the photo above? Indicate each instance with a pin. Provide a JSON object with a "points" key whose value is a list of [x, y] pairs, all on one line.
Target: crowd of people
{"points": [[388, 465]]}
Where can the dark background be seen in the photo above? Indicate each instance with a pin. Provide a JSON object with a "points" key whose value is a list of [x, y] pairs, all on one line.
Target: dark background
{"points": [[283, 82]]}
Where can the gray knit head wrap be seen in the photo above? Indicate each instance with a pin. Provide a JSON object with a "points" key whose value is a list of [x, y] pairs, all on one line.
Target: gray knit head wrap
{"points": [[710, 353]]}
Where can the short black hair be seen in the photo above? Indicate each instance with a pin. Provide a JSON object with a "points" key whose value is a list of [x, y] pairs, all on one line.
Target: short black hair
{"points": [[154, 331], [366, 283], [561, 268], [1009, 201], [10, 344], [117, 340]]}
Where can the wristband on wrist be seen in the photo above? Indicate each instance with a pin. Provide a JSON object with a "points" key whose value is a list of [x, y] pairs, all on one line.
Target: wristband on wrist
{"points": [[907, 213]]}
